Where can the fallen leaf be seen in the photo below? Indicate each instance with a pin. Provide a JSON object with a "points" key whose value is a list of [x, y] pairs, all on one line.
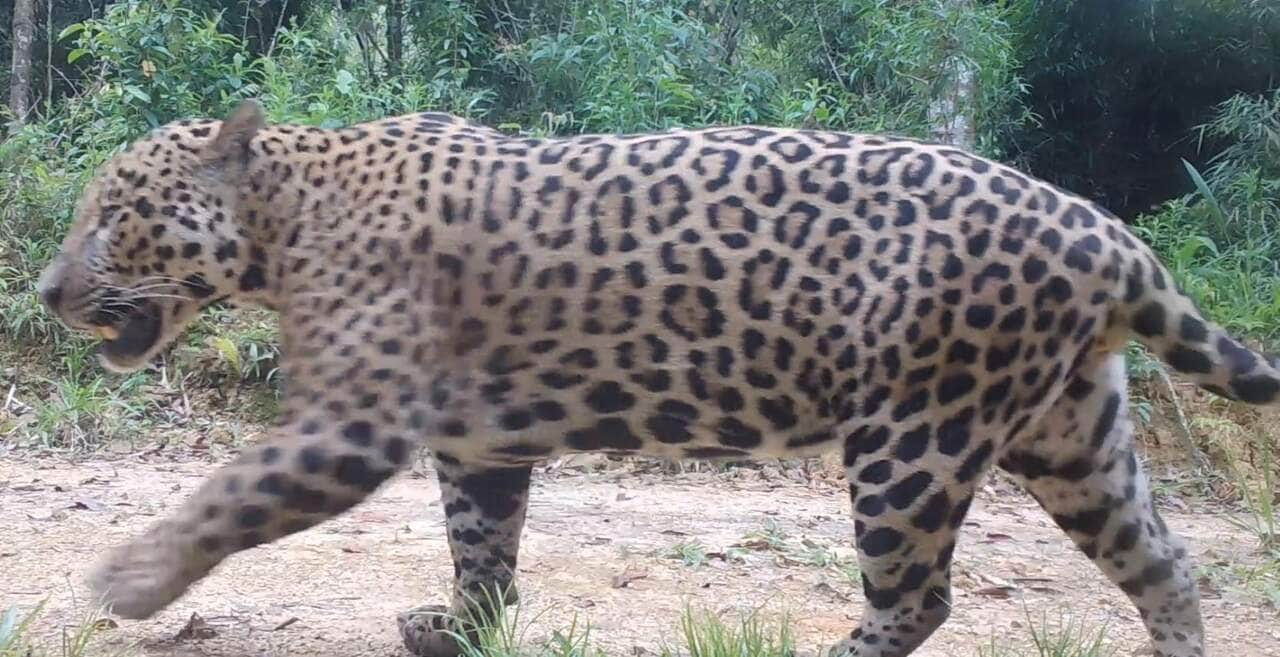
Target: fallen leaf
{"points": [[285, 624], [758, 544], [89, 504], [830, 591], [998, 592], [195, 629], [627, 576]]}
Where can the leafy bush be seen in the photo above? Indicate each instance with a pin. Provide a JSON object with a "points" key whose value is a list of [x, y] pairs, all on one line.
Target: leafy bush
{"points": [[1223, 243]]}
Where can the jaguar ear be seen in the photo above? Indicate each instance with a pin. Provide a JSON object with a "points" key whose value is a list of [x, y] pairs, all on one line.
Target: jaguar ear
{"points": [[228, 153]]}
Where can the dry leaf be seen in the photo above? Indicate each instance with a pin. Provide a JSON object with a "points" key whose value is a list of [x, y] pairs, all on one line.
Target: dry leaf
{"points": [[757, 544], [627, 576], [830, 591], [195, 629], [89, 504]]}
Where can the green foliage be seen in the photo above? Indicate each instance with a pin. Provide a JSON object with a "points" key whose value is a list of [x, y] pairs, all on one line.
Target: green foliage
{"points": [[1119, 86], [159, 61], [570, 66], [1068, 637], [1222, 243], [80, 640], [706, 635]]}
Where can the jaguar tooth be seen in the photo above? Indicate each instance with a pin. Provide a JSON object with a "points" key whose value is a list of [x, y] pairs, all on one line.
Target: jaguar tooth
{"points": [[106, 332]]}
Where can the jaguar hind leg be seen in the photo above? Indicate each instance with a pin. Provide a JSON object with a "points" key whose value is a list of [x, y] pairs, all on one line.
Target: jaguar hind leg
{"points": [[484, 515], [1081, 467], [907, 511]]}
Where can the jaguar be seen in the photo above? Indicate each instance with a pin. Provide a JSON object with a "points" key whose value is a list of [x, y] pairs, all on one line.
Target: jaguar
{"points": [[734, 292]]}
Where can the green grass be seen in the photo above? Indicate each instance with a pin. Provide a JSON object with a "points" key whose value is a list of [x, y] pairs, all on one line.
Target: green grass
{"points": [[1067, 637], [1258, 496], [502, 633], [808, 553], [691, 553], [17, 638]]}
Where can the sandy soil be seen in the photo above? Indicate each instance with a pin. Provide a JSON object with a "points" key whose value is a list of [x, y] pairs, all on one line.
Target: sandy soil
{"points": [[597, 546]]}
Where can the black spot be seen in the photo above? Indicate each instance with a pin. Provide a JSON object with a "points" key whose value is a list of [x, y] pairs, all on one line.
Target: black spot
{"points": [[609, 397], [396, 450], [500, 493], [144, 207], [905, 492], [933, 514], [1193, 330], [355, 471], [980, 316], [514, 420], [880, 541], [954, 387], [953, 434], [1149, 321], [358, 433], [877, 472], [912, 444], [1260, 389], [1127, 537], [251, 516], [312, 459], [1188, 360], [548, 411], [671, 423], [252, 279], [917, 402], [608, 433], [1089, 522], [734, 433]]}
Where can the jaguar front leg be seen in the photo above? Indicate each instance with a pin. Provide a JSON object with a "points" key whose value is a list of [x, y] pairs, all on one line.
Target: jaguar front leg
{"points": [[484, 514], [351, 410], [297, 479]]}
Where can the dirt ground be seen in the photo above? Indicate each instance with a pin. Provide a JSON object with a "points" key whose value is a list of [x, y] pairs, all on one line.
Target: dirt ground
{"points": [[597, 547]]}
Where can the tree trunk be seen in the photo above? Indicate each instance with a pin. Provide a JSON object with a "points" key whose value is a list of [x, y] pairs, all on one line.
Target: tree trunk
{"points": [[951, 112], [395, 37], [24, 34]]}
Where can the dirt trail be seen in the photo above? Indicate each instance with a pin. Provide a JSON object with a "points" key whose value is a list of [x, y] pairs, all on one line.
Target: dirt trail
{"points": [[334, 590]]}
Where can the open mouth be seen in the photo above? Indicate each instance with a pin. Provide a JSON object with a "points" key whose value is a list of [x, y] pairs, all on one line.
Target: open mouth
{"points": [[132, 338]]}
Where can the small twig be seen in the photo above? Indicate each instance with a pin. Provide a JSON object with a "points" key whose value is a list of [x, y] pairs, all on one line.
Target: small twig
{"points": [[826, 50], [284, 6], [1188, 438]]}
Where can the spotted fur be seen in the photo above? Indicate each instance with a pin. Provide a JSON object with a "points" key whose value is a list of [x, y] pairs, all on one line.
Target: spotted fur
{"points": [[729, 292]]}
